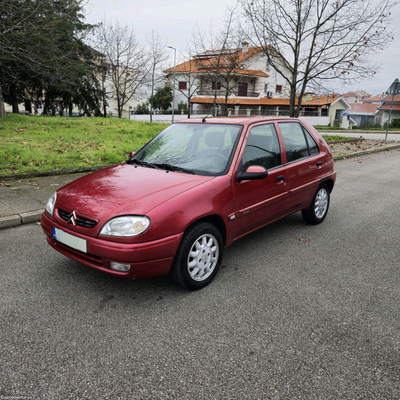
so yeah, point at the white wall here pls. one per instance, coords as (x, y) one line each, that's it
(322, 121)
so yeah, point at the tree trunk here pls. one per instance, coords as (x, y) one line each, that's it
(2, 109)
(292, 107)
(104, 105)
(119, 110)
(188, 109)
(14, 99)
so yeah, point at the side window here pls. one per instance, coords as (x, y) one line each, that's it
(294, 139)
(312, 145)
(262, 147)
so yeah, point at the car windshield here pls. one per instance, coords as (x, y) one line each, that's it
(203, 149)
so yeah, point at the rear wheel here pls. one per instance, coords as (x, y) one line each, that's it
(198, 257)
(318, 209)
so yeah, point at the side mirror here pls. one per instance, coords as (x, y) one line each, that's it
(132, 153)
(252, 173)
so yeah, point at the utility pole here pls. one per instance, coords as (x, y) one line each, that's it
(173, 89)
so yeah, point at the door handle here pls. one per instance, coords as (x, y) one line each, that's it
(319, 164)
(280, 178)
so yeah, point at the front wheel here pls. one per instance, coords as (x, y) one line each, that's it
(318, 209)
(198, 257)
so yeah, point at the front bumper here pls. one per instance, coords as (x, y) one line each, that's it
(147, 259)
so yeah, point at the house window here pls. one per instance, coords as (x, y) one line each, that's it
(266, 88)
(182, 85)
(278, 89)
(216, 85)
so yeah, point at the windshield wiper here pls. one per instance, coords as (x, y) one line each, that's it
(170, 167)
(141, 163)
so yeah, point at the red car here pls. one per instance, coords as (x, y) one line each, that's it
(196, 188)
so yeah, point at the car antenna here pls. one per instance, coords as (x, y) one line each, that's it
(204, 119)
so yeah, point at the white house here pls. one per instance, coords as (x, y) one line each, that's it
(240, 74)
(389, 102)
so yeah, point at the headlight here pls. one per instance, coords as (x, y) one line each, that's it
(125, 226)
(50, 204)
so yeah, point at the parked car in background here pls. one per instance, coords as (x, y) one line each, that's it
(193, 190)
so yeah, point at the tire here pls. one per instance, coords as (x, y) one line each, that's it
(319, 207)
(199, 256)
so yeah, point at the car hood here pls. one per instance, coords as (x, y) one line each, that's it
(123, 189)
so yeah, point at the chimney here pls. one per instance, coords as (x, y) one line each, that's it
(245, 47)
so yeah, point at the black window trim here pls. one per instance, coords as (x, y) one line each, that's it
(305, 138)
(249, 128)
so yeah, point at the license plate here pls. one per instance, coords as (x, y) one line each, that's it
(70, 240)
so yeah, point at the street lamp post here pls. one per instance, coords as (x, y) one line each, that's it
(173, 89)
(393, 90)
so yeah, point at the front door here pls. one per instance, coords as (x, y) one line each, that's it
(258, 202)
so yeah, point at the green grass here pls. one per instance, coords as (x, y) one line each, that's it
(337, 128)
(31, 144)
(331, 138)
(36, 144)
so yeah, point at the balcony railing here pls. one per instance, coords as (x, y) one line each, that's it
(221, 93)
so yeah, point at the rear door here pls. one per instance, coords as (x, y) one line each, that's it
(258, 202)
(303, 163)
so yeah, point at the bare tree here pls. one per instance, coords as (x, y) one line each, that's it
(219, 57)
(313, 42)
(124, 59)
(188, 73)
(157, 58)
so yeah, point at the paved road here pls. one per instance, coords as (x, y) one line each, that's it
(285, 318)
(355, 134)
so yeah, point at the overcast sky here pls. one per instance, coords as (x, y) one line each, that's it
(174, 21)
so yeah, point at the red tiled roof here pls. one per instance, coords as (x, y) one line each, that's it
(388, 99)
(359, 108)
(323, 100)
(208, 60)
(374, 99)
(396, 107)
(358, 93)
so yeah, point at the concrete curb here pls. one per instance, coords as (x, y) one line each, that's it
(364, 152)
(55, 172)
(20, 219)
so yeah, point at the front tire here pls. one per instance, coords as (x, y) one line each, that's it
(319, 207)
(199, 256)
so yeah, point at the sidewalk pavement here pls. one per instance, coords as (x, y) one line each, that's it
(22, 201)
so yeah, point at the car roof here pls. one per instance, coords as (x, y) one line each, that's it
(235, 120)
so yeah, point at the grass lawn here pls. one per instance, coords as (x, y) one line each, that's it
(331, 138)
(32, 144)
(39, 143)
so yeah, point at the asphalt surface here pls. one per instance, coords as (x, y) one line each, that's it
(296, 312)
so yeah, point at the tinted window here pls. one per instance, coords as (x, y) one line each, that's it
(311, 144)
(262, 147)
(294, 139)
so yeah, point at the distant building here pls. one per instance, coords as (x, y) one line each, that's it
(364, 114)
(386, 105)
(355, 97)
(242, 75)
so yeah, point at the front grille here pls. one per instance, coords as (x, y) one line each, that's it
(80, 221)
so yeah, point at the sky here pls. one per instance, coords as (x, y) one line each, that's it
(174, 21)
